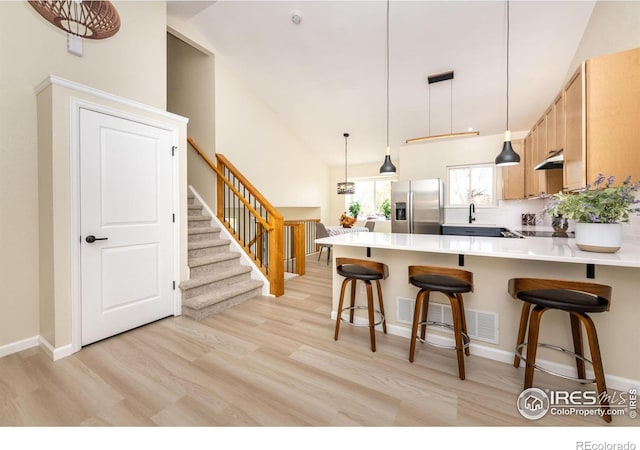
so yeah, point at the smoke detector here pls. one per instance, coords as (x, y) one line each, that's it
(296, 17)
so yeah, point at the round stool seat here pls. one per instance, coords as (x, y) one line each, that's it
(440, 283)
(359, 272)
(565, 299)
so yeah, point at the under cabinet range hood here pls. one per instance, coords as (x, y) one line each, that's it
(554, 161)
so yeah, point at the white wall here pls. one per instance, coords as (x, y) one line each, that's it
(131, 64)
(257, 141)
(190, 93)
(260, 145)
(613, 28)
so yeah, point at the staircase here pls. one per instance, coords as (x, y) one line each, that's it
(218, 280)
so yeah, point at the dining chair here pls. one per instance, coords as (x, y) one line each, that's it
(370, 225)
(321, 232)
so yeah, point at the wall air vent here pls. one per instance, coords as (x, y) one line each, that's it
(481, 325)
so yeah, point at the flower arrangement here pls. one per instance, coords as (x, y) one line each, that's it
(346, 221)
(600, 203)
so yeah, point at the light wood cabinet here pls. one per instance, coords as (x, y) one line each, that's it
(613, 116)
(574, 150)
(602, 107)
(530, 175)
(513, 176)
(595, 121)
(559, 123)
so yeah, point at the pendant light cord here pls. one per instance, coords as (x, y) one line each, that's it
(346, 135)
(387, 69)
(507, 65)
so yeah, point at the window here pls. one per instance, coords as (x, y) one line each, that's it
(371, 193)
(471, 184)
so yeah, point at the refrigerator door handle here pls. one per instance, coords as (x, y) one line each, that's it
(410, 211)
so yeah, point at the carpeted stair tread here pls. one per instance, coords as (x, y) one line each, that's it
(210, 243)
(201, 230)
(214, 277)
(222, 294)
(204, 260)
(199, 217)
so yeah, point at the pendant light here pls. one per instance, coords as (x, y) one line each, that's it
(387, 167)
(346, 187)
(87, 19)
(431, 79)
(507, 157)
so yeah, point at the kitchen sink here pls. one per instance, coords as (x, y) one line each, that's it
(476, 230)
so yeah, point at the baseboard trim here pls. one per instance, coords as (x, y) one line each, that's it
(613, 381)
(55, 353)
(18, 346)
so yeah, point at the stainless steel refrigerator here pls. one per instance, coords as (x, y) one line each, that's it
(417, 206)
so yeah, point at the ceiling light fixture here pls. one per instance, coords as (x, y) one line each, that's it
(87, 19)
(346, 187)
(387, 166)
(436, 79)
(507, 157)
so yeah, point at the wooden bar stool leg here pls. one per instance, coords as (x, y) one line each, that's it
(522, 330)
(381, 303)
(372, 320)
(457, 332)
(576, 331)
(425, 310)
(467, 351)
(353, 300)
(532, 344)
(594, 349)
(340, 304)
(414, 326)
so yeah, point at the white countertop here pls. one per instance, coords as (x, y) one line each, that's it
(532, 248)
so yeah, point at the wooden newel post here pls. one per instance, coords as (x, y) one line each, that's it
(276, 255)
(298, 245)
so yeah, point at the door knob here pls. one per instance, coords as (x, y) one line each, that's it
(91, 239)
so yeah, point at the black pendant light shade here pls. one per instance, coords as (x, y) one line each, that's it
(507, 157)
(346, 187)
(387, 167)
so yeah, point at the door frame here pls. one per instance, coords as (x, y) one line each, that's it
(76, 104)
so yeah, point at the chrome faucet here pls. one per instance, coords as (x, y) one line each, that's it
(472, 212)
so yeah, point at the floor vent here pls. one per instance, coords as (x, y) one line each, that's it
(481, 325)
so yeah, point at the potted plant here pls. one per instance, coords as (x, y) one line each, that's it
(385, 209)
(598, 211)
(354, 209)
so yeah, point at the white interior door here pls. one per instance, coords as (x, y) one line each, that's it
(126, 204)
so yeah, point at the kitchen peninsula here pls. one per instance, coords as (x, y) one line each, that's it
(493, 262)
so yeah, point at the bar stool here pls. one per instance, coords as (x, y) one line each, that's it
(367, 271)
(575, 297)
(452, 283)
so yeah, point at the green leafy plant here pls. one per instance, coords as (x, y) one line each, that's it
(385, 208)
(354, 209)
(600, 203)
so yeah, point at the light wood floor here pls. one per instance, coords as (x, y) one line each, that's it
(266, 362)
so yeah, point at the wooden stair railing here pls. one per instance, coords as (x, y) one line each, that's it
(248, 216)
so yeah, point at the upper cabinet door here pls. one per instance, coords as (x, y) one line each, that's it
(574, 151)
(613, 114)
(513, 176)
(558, 115)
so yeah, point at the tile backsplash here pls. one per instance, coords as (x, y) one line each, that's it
(509, 213)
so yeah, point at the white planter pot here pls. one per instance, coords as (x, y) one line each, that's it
(599, 237)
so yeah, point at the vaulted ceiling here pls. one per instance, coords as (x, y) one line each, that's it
(327, 74)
